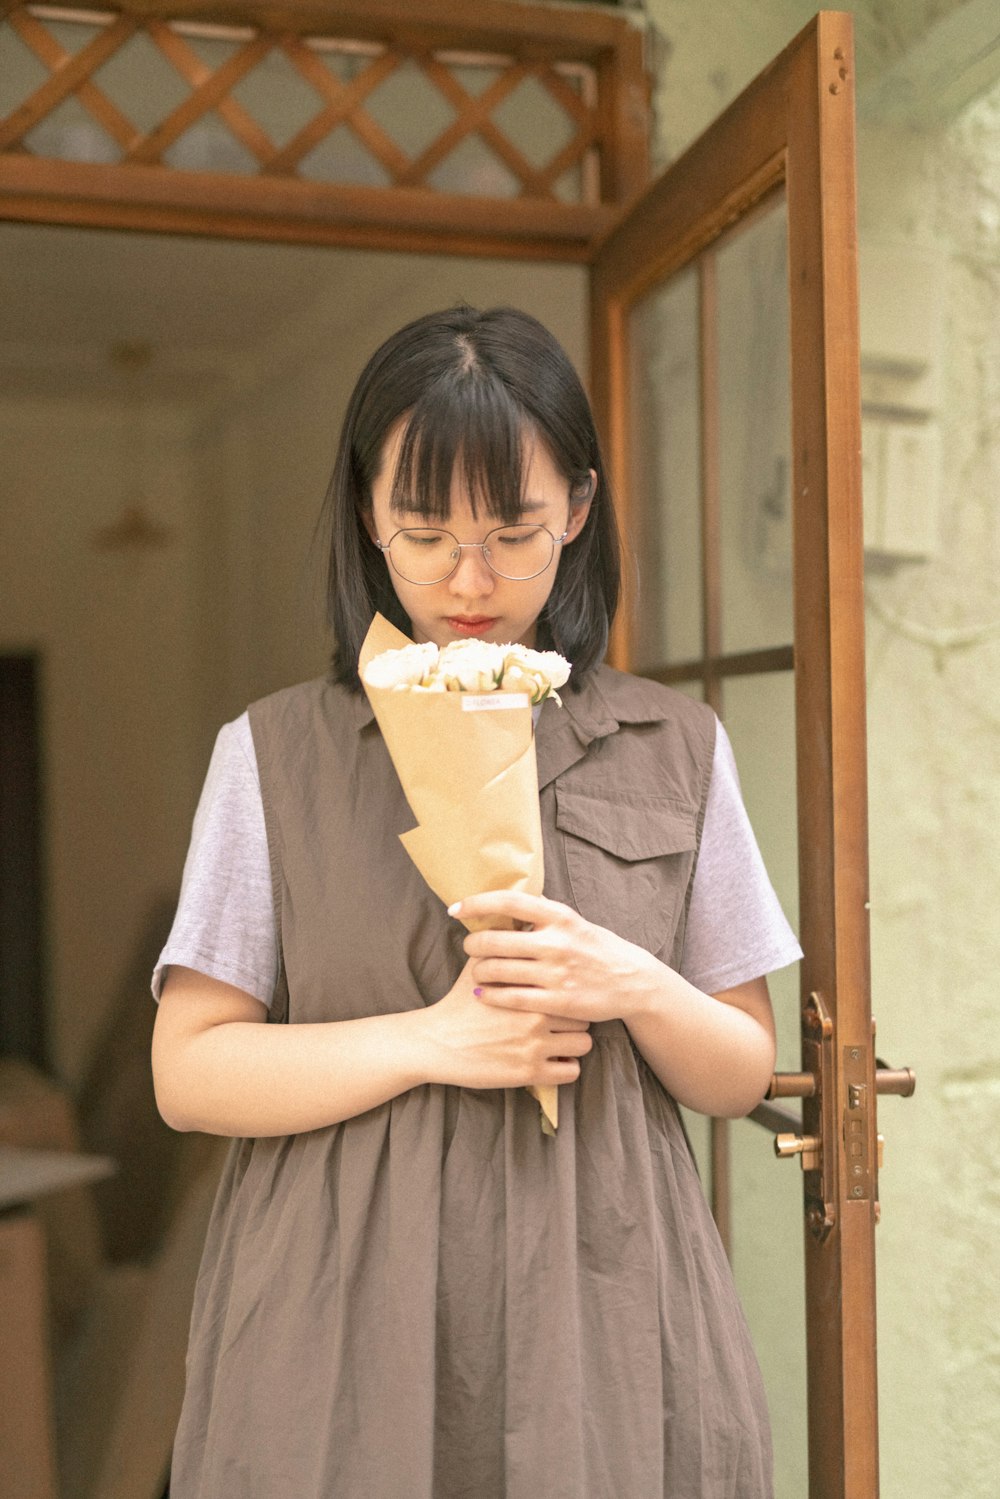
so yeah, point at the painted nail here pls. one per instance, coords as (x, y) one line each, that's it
(453, 910)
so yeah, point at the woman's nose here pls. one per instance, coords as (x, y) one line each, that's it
(473, 577)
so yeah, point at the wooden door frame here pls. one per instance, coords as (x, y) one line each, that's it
(793, 129)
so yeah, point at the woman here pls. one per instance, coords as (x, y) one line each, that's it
(408, 1292)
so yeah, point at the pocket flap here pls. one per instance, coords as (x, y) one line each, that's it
(640, 831)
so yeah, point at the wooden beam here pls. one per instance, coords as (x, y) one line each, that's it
(294, 211)
(491, 24)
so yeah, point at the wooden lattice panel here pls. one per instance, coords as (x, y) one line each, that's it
(293, 115)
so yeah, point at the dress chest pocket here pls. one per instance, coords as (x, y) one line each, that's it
(628, 862)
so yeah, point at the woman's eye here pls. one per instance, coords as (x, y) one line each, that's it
(514, 538)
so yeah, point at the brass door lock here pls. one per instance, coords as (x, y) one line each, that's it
(806, 1147)
(845, 1117)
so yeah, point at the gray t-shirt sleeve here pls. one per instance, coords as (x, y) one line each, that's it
(224, 926)
(736, 929)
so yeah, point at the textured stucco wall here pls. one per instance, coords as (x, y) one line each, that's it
(934, 736)
(933, 631)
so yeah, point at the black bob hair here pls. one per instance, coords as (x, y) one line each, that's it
(475, 388)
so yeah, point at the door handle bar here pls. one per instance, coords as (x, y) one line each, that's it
(898, 1082)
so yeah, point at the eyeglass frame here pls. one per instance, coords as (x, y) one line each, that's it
(384, 548)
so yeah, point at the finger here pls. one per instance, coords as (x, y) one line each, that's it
(556, 1072)
(546, 1002)
(574, 1044)
(561, 1024)
(501, 944)
(515, 997)
(511, 905)
(530, 975)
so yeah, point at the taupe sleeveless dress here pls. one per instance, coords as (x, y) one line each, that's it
(434, 1300)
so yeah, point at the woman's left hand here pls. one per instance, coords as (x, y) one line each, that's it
(560, 965)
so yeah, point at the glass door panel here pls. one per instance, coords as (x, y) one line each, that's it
(754, 452)
(665, 472)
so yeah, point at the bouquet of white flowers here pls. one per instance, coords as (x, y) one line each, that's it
(458, 726)
(475, 666)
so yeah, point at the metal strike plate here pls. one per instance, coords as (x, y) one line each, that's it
(857, 1126)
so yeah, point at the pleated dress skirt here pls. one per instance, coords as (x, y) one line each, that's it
(434, 1300)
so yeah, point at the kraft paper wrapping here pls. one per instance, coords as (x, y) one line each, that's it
(472, 784)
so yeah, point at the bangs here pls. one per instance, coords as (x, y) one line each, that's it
(468, 422)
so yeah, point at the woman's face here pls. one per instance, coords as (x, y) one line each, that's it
(474, 601)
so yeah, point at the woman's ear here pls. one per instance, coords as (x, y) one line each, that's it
(368, 521)
(580, 508)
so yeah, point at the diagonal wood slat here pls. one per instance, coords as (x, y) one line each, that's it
(567, 98)
(573, 152)
(65, 81)
(472, 117)
(532, 181)
(379, 143)
(196, 73)
(201, 100)
(343, 100)
(476, 111)
(48, 51)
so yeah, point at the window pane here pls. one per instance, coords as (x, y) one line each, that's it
(755, 435)
(665, 503)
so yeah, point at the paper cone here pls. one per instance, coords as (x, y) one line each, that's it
(467, 767)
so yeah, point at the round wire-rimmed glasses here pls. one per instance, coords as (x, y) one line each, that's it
(425, 555)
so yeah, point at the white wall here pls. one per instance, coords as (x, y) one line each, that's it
(115, 633)
(934, 749)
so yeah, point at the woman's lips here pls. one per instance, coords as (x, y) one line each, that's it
(474, 625)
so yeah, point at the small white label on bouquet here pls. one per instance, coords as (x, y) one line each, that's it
(488, 702)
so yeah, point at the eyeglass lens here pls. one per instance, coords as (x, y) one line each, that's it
(429, 556)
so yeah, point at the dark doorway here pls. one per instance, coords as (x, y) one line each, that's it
(22, 961)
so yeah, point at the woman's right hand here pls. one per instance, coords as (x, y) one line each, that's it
(476, 1045)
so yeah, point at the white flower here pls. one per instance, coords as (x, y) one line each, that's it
(537, 673)
(471, 665)
(410, 666)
